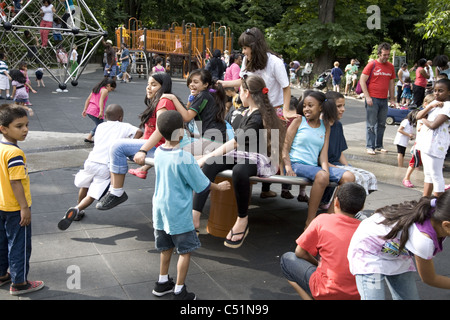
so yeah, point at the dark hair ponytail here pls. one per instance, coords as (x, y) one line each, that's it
(218, 92)
(255, 85)
(165, 81)
(215, 89)
(104, 83)
(402, 216)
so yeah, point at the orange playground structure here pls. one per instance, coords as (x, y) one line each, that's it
(183, 48)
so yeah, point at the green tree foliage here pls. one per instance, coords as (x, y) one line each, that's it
(320, 30)
(436, 23)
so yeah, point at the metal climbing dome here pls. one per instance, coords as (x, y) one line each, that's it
(22, 33)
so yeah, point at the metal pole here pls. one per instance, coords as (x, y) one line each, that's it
(84, 59)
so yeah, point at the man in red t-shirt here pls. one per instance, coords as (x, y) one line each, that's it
(328, 236)
(382, 82)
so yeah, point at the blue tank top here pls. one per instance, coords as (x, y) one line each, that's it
(308, 143)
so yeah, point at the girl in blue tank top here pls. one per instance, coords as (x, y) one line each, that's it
(305, 152)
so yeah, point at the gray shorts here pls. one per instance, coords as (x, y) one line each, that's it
(183, 242)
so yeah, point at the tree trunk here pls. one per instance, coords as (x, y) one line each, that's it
(326, 15)
(131, 7)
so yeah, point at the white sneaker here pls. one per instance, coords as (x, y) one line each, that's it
(59, 90)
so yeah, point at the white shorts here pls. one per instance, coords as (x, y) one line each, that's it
(4, 82)
(350, 78)
(95, 176)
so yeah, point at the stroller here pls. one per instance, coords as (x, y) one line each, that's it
(322, 80)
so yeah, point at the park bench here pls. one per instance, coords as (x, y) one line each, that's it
(223, 207)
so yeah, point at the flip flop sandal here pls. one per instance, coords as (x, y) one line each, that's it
(236, 244)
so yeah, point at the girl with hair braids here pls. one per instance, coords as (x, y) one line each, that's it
(383, 247)
(159, 83)
(246, 155)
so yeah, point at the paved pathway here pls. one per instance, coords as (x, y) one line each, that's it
(113, 251)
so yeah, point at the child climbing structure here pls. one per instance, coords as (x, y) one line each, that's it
(183, 48)
(23, 36)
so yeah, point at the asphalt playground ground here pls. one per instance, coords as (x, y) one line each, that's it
(110, 255)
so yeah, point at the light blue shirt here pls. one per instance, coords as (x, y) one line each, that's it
(177, 175)
(308, 143)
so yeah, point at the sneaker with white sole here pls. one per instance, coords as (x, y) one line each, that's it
(110, 201)
(164, 288)
(30, 286)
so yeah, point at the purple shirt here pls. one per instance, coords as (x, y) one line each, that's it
(428, 229)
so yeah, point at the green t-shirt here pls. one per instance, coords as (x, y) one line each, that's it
(351, 69)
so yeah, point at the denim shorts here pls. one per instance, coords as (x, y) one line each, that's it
(183, 242)
(124, 66)
(111, 73)
(309, 172)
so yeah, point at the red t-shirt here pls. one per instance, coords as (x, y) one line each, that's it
(150, 126)
(329, 236)
(379, 81)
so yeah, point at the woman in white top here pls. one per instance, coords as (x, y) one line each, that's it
(402, 74)
(258, 60)
(47, 11)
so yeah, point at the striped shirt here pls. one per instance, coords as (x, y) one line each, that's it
(3, 67)
(12, 167)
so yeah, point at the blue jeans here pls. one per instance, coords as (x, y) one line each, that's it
(97, 121)
(124, 149)
(402, 286)
(376, 123)
(297, 270)
(15, 246)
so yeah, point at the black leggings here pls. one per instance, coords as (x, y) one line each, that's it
(419, 95)
(241, 182)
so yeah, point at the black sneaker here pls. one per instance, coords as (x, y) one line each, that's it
(184, 295)
(164, 288)
(79, 216)
(110, 201)
(68, 218)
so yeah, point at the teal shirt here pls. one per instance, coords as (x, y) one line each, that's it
(308, 143)
(177, 175)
